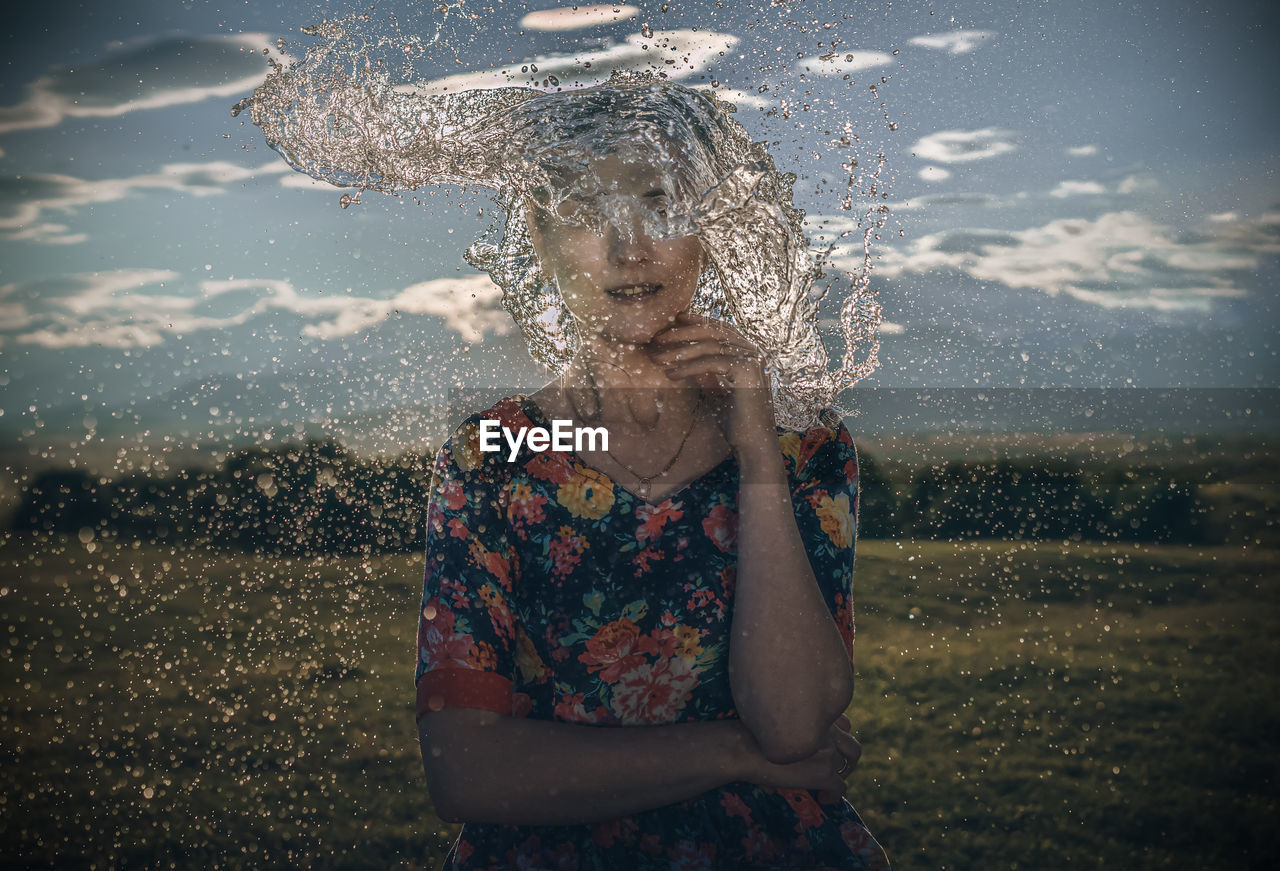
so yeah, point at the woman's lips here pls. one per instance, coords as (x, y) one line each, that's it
(633, 292)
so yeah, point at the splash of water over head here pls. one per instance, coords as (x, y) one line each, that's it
(345, 122)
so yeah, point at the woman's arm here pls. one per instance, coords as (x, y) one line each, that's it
(486, 767)
(789, 670)
(788, 667)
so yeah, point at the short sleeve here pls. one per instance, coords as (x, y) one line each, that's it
(824, 494)
(466, 628)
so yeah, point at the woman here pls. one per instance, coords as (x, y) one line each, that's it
(569, 593)
(632, 654)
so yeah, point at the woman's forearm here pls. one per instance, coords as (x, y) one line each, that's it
(789, 671)
(518, 771)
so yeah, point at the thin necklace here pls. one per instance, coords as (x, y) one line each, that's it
(595, 387)
(646, 481)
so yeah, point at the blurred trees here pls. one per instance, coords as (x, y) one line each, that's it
(317, 497)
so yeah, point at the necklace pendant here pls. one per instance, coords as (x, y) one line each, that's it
(644, 489)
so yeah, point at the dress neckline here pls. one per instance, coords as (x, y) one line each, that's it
(535, 413)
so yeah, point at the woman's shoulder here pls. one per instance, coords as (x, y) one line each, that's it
(466, 444)
(828, 442)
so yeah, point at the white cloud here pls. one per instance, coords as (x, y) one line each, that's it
(740, 99)
(66, 193)
(1076, 188)
(577, 17)
(836, 63)
(304, 182)
(688, 50)
(961, 146)
(1082, 150)
(934, 173)
(47, 234)
(150, 75)
(470, 306)
(1224, 217)
(1119, 260)
(129, 308)
(1137, 184)
(954, 42)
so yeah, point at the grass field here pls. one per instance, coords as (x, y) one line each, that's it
(1021, 706)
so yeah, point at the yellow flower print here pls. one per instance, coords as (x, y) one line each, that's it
(790, 444)
(687, 642)
(466, 447)
(587, 494)
(836, 520)
(488, 595)
(531, 666)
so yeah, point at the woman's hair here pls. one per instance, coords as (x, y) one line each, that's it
(359, 129)
(726, 189)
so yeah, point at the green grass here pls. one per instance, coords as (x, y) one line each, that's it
(1021, 706)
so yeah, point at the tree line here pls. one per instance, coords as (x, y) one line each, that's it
(319, 498)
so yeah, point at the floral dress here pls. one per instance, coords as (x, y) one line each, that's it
(553, 593)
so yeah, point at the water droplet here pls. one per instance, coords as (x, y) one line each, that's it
(646, 31)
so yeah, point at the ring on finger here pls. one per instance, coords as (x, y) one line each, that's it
(844, 766)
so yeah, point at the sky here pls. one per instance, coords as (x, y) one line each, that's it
(1080, 195)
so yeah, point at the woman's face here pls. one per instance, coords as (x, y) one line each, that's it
(623, 286)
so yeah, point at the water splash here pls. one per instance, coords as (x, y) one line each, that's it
(340, 115)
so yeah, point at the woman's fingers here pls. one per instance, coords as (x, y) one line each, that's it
(849, 748)
(707, 366)
(696, 330)
(694, 346)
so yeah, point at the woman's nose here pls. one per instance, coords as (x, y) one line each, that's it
(628, 245)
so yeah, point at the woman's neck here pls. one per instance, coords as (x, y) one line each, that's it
(617, 365)
(622, 384)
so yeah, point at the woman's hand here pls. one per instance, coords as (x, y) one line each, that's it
(819, 772)
(728, 368)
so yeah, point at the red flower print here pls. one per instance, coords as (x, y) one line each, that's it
(721, 526)
(521, 704)
(668, 619)
(438, 644)
(854, 835)
(610, 650)
(734, 806)
(844, 622)
(654, 694)
(458, 529)
(813, 439)
(550, 466)
(642, 559)
(700, 598)
(526, 507)
(653, 517)
(807, 809)
(660, 642)
(452, 494)
(464, 851)
(565, 551)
